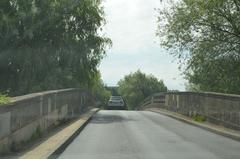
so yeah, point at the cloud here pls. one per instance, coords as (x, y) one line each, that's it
(131, 24)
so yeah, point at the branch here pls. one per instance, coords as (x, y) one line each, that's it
(237, 5)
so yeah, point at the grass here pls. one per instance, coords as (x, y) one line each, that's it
(37, 134)
(22, 145)
(4, 99)
(199, 118)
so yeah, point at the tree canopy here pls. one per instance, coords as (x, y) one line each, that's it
(136, 86)
(100, 91)
(48, 44)
(205, 36)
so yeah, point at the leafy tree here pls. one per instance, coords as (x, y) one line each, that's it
(192, 87)
(48, 44)
(205, 36)
(100, 91)
(135, 87)
(113, 90)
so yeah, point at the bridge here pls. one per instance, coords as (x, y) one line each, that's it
(175, 125)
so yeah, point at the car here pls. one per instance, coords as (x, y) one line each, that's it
(116, 103)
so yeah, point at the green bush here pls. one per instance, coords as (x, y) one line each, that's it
(137, 86)
(4, 99)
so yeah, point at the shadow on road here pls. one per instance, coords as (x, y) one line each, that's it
(109, 118)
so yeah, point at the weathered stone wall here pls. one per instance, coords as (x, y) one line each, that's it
(156, 100)
(215, 107)
(35, 113)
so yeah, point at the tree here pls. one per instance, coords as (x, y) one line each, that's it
(135, 87)
(100, 91)
(113, 90)
(49, 44)
(205, 36)
(192, 87)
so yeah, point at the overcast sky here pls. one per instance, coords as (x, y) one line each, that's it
(131, 25)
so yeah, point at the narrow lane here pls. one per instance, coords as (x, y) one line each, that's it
(147, 135)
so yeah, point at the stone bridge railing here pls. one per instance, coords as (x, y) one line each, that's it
(223, 109)
(26, 117)
(156, 100)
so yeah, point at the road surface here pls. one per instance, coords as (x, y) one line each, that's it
(147, 135)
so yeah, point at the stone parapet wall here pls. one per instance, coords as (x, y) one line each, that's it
(218, 108)
(27, 116)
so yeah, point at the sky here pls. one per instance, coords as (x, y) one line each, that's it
(131, 25)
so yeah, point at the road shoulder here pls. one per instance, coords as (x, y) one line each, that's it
(218, 129)
(55, 144)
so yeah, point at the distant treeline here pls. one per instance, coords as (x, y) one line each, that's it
(113, 90)
(137, 86)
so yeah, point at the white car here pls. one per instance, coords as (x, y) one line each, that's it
(116, 102)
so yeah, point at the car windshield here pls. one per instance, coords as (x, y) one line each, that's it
(116, 98)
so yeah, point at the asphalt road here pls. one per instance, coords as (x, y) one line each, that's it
(147, 135)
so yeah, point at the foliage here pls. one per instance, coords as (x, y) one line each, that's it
(173, 90)
(135, 87)
(205, 36)
(4, 99)
(100, 91)
(48, 44)
(113, 90)
(36, 134)
(199, 118)
(192, 87)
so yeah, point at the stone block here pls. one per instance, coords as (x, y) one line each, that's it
(5, 127)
